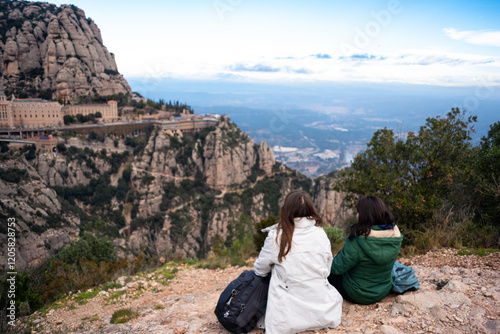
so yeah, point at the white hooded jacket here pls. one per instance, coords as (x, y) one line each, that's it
(300, 297)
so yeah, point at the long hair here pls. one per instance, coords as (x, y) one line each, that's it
(372, 211)
(298, 203)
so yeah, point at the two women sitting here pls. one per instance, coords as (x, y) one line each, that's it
(307, 284)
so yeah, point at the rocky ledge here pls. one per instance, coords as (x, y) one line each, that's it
(458, 294)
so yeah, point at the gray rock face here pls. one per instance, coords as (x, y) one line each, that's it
(179, 217)
(56, 49)
(32, 203)
(225, 158)
(229, 161)
(60, 172)
(329, 202)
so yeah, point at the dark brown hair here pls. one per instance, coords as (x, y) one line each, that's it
(298, 203)
(372, 211)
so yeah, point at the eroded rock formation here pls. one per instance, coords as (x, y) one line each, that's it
(54, 52)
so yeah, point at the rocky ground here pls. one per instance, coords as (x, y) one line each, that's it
(458, 294)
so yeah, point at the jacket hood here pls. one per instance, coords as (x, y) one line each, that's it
(382, 246)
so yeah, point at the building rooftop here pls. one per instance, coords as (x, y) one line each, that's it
(33, 100)
(87, 105)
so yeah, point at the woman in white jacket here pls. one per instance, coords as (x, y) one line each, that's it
(297, 253)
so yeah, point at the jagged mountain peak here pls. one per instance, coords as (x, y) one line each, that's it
(54, 52)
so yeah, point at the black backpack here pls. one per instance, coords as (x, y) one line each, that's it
(243, 302)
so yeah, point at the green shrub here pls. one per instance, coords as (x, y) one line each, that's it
(259, 237)
(4, 147)
(123, 315)
(127, 172)
(420, 178)
(488, 175)
(69, 119)
(336, 237)
(147, 179)
(61, 148)
(88, 247)
(13, 175)
(31, 153)
(236, 255)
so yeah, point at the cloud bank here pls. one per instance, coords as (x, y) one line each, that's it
(478, 37)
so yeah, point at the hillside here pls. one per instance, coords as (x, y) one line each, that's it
(167, 193)
(54, 52)
(459, 294)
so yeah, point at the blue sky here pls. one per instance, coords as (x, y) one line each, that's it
(446, 43)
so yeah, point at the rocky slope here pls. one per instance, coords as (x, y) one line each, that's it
(328, 201)
(169, 193)
(458, 294)
(56, 51)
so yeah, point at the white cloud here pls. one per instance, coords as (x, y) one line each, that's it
(430, 66)
(479, 37)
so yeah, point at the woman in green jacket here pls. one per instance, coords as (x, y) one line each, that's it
(361, 271)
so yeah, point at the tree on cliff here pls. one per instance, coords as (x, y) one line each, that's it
(426, 179)
(488, 167)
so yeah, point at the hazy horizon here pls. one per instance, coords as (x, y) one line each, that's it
(323, 126)
(403, 104)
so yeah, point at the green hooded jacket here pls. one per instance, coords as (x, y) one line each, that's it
(365, 264)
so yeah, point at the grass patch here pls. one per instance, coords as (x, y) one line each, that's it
(72, 307)
(108, 286)
(122, 316)
(117, 294)
(479, 251)
(167, 273)
(81, 298)
(58, 305)
(214, 263)
(159, 307)
(92, 319)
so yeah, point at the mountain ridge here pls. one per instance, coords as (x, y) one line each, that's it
(55, 53)
(168, 193)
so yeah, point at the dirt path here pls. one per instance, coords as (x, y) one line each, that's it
(167, 176)
(459, 294)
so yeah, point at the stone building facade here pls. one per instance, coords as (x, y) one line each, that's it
(31, 113)
(109, 111)
(35, 113)
(5, 114)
